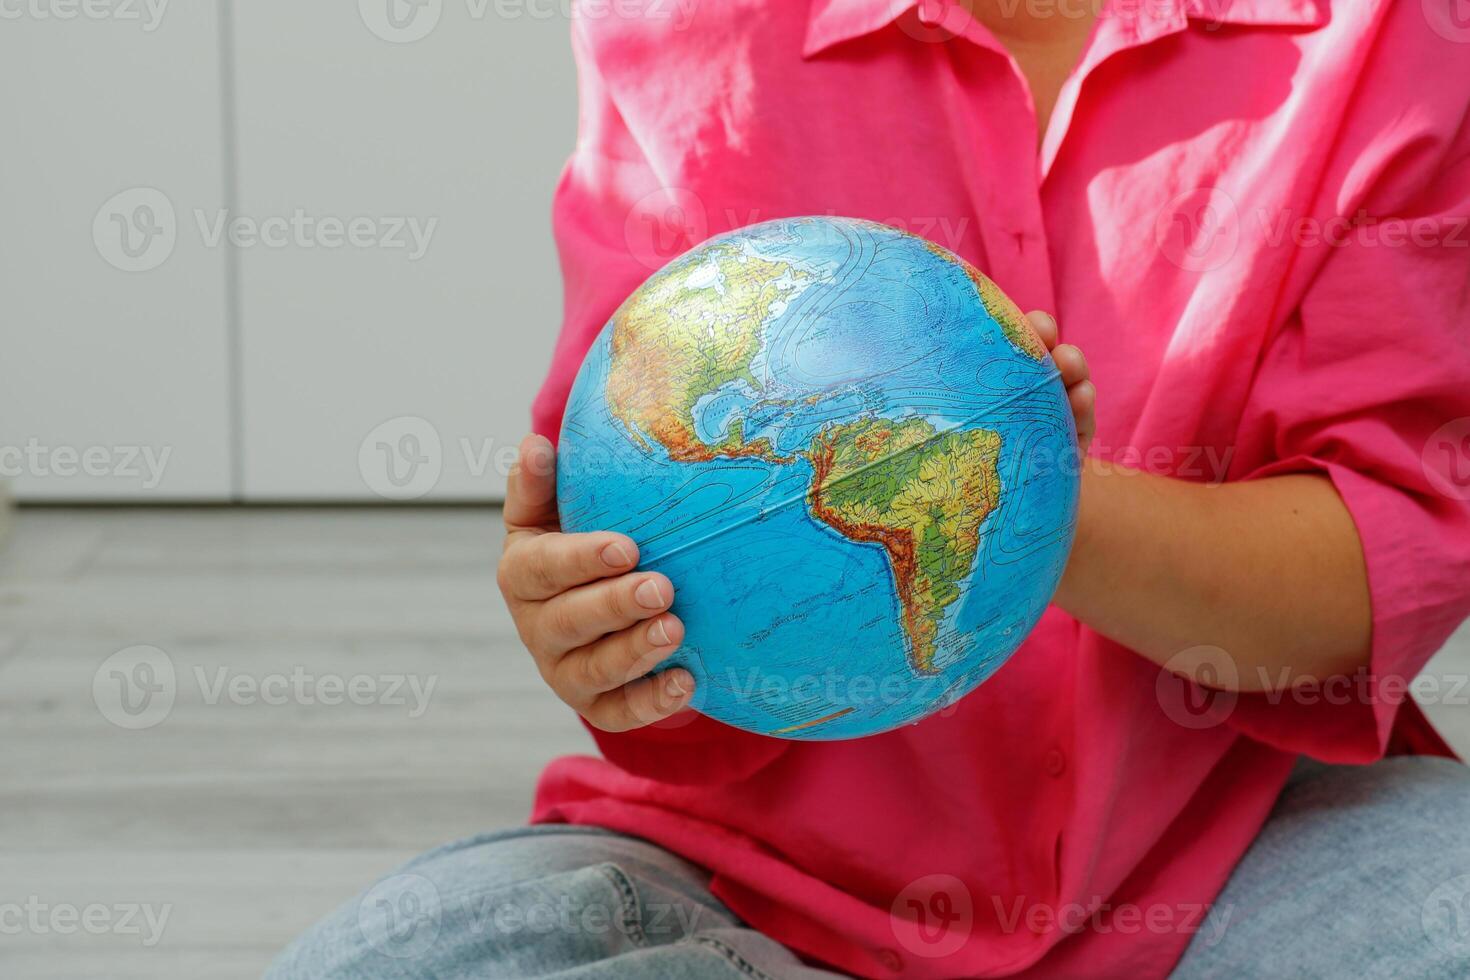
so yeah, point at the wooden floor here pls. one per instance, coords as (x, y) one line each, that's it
(248, 821)
(245, 821)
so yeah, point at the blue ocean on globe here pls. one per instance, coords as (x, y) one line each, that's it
(851, 455)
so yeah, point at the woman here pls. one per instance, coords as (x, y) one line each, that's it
(1251, 215)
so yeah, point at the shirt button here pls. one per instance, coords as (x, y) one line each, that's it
(890, 960)
(1055, 762)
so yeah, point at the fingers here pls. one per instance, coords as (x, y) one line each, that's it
(1071, 364)
(1081, 392)
(642, 702)
(592, 624)
(579, 616)
(1083, 399)
(1046, 325)
(1068, 357)
(615, 660)
(540, 566)
(530, 493)
(1076, 377)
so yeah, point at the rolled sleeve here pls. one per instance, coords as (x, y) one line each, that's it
(1417, 584)
(1369, 383)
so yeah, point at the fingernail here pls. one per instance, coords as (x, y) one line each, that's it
(657, 635)
(616, 556)
(649, 595)
(678, 682)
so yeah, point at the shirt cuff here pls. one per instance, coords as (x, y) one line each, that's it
(1350, 720)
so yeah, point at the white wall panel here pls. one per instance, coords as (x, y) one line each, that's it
(444, 118)
(113, 339)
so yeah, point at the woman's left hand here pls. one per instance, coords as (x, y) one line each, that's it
(1081, 392)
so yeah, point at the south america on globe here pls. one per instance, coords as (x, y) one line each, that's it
(852, 456)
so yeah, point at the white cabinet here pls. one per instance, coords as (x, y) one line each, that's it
(113, 340)
(396, 327)
(275, 250)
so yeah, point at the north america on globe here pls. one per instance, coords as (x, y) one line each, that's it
(814, 421)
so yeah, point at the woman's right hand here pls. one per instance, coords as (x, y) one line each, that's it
(594, 624)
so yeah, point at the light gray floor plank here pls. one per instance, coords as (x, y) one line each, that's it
(251, 819)
(171, 913)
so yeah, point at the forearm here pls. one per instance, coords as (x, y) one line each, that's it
(1270, 570)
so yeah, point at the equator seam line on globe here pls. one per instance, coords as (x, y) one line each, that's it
(836, 481)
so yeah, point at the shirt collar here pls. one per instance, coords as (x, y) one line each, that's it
(832, 22)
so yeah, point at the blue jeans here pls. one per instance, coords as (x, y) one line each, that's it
(1360, 872)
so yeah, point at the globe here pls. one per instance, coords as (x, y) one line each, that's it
(849, 452)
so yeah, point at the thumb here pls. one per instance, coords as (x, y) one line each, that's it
(530, 494)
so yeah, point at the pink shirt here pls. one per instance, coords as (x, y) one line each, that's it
(1251, 216)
